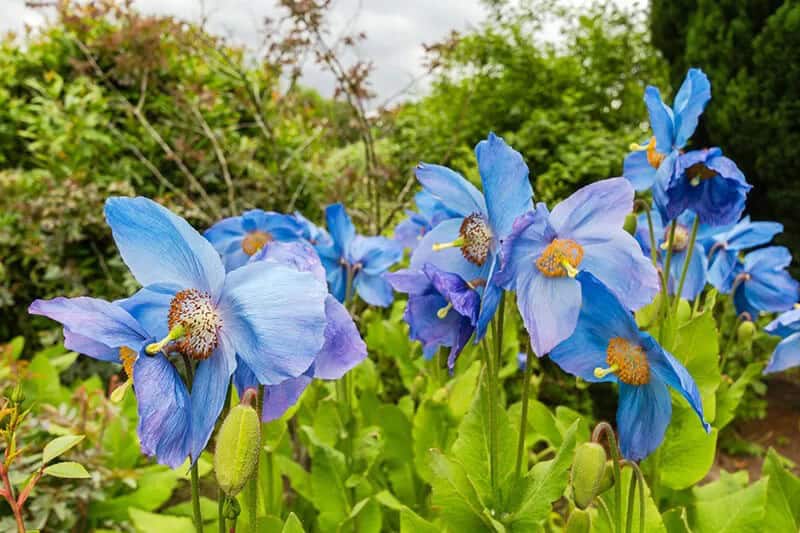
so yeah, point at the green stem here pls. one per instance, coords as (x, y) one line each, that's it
(605, 427)
(195, 473)
(653, 245)
(270, 496)
(523, 421)
(489, 373)
(665, 282)
(631, 497)
(729, 343)
(685, 269)
(221, 510)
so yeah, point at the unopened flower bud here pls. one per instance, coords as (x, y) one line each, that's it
(745, 331)
(579, 522)
(587, 473)
(231, 509)
(630, 224)
(238, 446)
(17, 396)
(608, 478)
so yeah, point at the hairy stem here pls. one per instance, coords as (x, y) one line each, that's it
(523, 421)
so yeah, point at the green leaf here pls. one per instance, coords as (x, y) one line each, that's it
(461, 389)
(433, 428)
(299, 478)
(59, 445)
(687, 452)
(328, 475)
(154, 488)
(208, 508)
(652, 519)
(14, 348)
(697, 348)
(146, 522)
(455, 494)
(410, 522)
(531, 503)
(675, 520)
(783, 496)
(293, 525)
(729, 396)
(738, 512)
(67, 469)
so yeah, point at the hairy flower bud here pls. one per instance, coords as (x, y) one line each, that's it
(630, 223)
(745, 332)
(587, 473)
(579, 522)
(238, 445)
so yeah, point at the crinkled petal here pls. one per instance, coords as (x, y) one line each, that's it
(455, 192)
(785, 324)
(530, 235)
(340, 226)
(455, 290)
(279, 398)
(771, 291)
(660, 120)
(97, 350)
(549, 309)
(695, 280)
(593, 211)
(160, 247)
(506, 186)
(337, 282)
(274, 317)
(691, 100)
(295, 254)
(373, 289)
(752, 234)
(767, 259)
(343, 348)
(150, 307)
(243, 377)
(638, 170)
(643, 415)
(225, 234)
(723, 270)
(490, 297)
(375, 254)
(409, 281)
(786, 354)
(209, 389)
(164, 410)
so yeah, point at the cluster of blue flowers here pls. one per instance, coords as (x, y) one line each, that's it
(247, 303)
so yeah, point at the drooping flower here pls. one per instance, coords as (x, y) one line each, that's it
(270, 316)
(672, 129)
(761, 282)
(697, 272)
(727, 245)
(342, 350)
(584, 232)
(787, 352)
(364, 260)
(607, 346)
(709, 184)
(431, 211)
(442, 309)
(469, 245)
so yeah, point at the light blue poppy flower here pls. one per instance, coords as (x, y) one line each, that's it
(469, 246)
(546, 250)
(787, 352)
(761, 282)
(697, 273)
(607, 346)
(727, 245)
(672, 129)
(366, 259)
(270, 316)
(431, 211)
(314, 234)
(342, 350)
(238, 238)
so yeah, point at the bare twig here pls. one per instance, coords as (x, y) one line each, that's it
(223, 163)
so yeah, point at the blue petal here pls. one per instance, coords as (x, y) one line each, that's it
(593, 211)
(340, 226)
(638, 170)
(375, 254)
(410, 231)
(785, 324)
(279, 398)
(298, 255)
(226, 233)
(549, 309)
(660, 120)
(751, 234)
(337, 282)
(455, 290)
(243, 377)
(642, 418)
(769, 259)
(490, 298)
(673, 373)
(411, 282)
(448, 260)
(695, 280)
(771, 291)
(530, 235)
(506, 186)
(723, 270)
(786, 354)
(150, 307)
(455, 192)
(691, 100)
(373, 289)
(160, 247)
(343, 348)
(209, 389)
(164, 410)
(99, 321)
(426, 327)
(274, 317)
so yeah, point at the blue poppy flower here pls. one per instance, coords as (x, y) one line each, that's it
(787, 352)
(607, 346)
(366, 259)
(672, 128)
(761, 282)
(584, 232)
(724, 252)
(469, 245)
(238, 238)
(709, 184)
(270, 316)
(442, 309)
(342, 350)
(314, 234)
(697, 273)
(431, 211)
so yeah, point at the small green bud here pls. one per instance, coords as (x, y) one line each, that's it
(17, 396)
(745, 332)
(231, 509)
(579, 522)
(608, 478)
(630, 223)
(238, 445)
(587, 473)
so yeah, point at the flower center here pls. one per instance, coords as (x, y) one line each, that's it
(560, 258)
(654, 157)
(698, 173)
(195, 313)
(681, 240)
(128, 357)
(254, 241)
(474, 239)
(628, 361)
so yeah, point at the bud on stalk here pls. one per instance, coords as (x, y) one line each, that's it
(238, 446)
(587, 473)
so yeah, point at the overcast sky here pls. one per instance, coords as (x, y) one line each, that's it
(396, 29)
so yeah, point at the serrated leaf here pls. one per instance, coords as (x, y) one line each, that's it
(783, 496)
(67, 469)
(60, 445)
(455, 494)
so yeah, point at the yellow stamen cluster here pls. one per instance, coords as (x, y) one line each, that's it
(654, 157)
(698, 173)
(628, 361)
(560, 258)
(128, 358)
(254, 241)
(680, 241)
